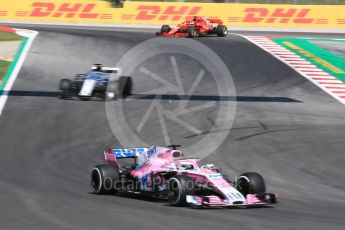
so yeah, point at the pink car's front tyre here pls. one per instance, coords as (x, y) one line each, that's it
(179, 188)
(251, 183)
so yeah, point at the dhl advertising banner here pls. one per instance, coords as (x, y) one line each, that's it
(253, 15)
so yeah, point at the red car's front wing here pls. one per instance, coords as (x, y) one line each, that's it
(167, 34)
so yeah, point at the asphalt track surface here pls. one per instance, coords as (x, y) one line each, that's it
(48, 146)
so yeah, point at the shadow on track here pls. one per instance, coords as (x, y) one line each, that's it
(166, 97)
(211, 98)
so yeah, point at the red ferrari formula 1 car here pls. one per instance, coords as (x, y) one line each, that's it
(195, 26)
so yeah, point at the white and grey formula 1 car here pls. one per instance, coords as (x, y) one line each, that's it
(96, 83)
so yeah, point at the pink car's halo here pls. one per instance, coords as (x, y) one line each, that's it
(163, 173)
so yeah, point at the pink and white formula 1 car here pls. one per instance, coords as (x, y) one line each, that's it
(162, 173)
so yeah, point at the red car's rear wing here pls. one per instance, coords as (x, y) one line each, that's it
(215, 20)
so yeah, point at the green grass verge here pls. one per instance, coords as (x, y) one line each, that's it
(6, 36)
(4, 65)
(13, 63)
(3, 68)
(327, 56)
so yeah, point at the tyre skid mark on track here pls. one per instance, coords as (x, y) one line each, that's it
(323, 80)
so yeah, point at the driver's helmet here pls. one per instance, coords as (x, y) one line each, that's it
(186, 166)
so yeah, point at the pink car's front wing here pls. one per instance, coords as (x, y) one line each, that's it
(215, 201)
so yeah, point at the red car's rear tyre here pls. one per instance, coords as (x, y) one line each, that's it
(222, 31)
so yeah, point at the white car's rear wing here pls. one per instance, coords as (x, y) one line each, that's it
(107, 69)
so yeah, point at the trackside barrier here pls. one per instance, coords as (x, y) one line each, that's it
(251, 15)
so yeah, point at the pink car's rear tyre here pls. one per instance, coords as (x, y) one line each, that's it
(104, 179)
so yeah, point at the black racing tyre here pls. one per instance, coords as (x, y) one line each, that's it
(178, 188)
(165, 28)
(191, 32)
(222, 31)
(104, 179)
(65, 86)
(125, 86)
(251, 183)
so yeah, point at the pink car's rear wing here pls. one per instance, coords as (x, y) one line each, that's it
(111, 154)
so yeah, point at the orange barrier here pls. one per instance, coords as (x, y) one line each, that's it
(257, 15)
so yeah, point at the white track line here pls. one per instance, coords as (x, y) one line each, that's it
(31, 36)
